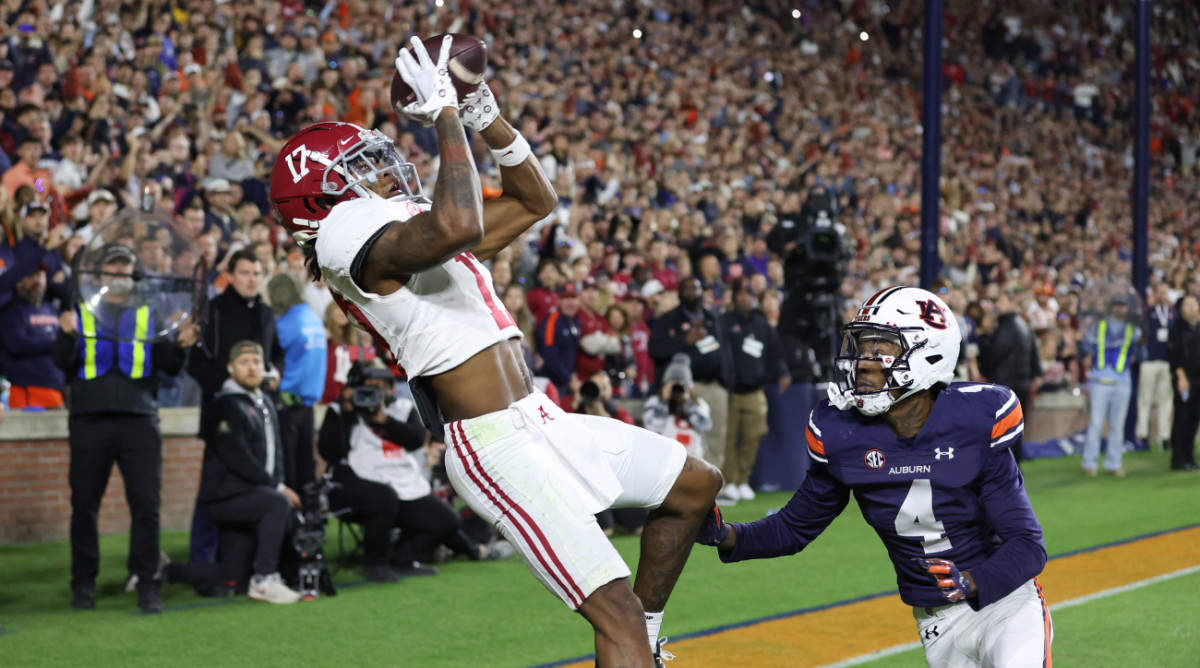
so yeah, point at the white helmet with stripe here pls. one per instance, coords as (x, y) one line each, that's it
(927, 334)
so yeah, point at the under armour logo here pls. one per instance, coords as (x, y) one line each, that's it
(938, 454)
(544, 414)
(931, 633)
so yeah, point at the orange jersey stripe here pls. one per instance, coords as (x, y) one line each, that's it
(551, 321)
(1011, 420)
(1049, 626)
(816, 445)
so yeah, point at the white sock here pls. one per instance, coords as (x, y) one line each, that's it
(653, 624)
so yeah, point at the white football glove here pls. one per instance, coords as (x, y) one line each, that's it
(430, 81)
(480, 108)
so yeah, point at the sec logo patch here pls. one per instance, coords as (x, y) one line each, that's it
(874, 459)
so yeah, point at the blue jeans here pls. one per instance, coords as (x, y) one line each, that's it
(1107, 401)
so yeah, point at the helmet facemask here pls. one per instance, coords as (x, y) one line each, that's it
(365, 164)
(873, 344)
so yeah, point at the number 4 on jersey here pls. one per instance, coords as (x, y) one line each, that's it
(916, 520)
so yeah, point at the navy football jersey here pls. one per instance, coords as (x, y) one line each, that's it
(954, 492)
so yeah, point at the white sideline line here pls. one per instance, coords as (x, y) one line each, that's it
(896, 649)
(1124, 588)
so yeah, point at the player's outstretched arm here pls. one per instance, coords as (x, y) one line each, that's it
(455, 221)
(811, 509)
(452, 225)
(528, 196)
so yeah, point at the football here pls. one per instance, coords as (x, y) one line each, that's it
(468, 62)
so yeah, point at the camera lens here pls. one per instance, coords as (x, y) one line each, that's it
(589, 392)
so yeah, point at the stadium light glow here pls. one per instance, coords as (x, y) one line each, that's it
(439, 3)
(864, 36)
(795, 13)
(637, 34)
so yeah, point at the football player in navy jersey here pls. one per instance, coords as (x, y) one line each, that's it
(929, 464)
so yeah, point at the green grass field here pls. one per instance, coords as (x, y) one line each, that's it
(495, 614)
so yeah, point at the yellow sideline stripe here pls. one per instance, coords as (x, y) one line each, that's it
(828, 636)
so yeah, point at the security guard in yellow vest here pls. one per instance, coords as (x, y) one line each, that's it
(1111, 349)
(104, 349)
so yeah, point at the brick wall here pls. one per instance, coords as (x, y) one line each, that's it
(35, 499)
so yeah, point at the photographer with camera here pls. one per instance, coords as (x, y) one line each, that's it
(241, 483)
(368, 439)
(676, 412)
(594, 397)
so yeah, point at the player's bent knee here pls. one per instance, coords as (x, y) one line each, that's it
(695, 488)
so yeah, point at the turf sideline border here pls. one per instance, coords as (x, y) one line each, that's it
(898, 648)
(1088, 598)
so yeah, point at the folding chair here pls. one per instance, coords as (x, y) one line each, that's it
(348, 523)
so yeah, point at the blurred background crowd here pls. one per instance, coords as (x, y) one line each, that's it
(678, 140)
(689, 145)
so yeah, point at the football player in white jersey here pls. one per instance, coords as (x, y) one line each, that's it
(410, 270)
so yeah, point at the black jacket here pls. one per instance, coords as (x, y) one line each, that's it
(235, 458)
(1183, 349)
(1009, 356)
(668, 336)
(231, 319)
(758, 362)
(114, 392)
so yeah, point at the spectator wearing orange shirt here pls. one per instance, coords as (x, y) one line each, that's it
(27, 172)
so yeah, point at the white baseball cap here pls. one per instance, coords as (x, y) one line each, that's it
(651, 288)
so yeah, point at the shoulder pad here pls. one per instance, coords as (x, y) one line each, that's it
(822, 414)
(1004, 412)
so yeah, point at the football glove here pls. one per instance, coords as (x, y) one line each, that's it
(955, 586)
(713, 529)
(480, 108)
(430, 81)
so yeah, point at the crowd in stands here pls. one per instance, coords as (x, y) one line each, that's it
(677, 135)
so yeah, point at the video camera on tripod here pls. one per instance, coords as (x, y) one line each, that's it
(814, 266)
(308, 538)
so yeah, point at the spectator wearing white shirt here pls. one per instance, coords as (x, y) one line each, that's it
(675, 412)
(101, 205)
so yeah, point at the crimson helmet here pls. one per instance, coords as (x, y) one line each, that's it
(328, 163)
